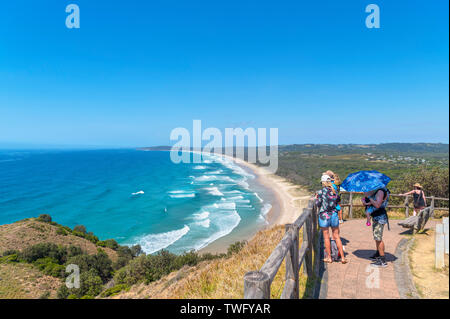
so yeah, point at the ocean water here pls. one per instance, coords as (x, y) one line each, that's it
(133, 196)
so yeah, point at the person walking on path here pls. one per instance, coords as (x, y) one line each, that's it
(327, 199)
(420, 201)
(379, 200)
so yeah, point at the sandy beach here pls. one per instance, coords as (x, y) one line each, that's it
(287, 205)
(291, 198)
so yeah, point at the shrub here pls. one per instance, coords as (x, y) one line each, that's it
(61, 231)
(100, 263)
(191, 259)
(80, 229)
(114, 290)
(110, 243)
(74, 251)
(10, 252)
(90, 284)
(148, 268)
(125, 254)
(91, 237)
(43, 250)
(12, 258)
(236, 247)
(136, 250)
(45, 295)
(63, 292)
(50, 266)
(44, 218)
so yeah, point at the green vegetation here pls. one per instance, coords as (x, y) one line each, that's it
(405, 163)
(110, 243)
(97, 270)
(44, 218)
(149, 268)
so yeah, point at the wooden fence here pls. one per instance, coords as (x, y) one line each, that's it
(257, 283)
(405, 205)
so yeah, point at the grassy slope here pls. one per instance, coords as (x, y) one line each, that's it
(24, 281)
(29, 232)
(20, 280)
(222, 278)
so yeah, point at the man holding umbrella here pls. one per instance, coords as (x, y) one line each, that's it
(374, 185)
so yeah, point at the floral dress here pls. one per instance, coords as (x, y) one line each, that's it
(327, 201)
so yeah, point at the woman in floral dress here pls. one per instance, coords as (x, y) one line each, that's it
(327, 200)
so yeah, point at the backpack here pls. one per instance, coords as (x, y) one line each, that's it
(386, 195)
(335, 255)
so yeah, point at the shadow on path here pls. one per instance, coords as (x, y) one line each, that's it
(366, 253)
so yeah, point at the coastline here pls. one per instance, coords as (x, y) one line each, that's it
(288, 203)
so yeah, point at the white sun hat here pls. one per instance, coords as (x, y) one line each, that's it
(325, 178)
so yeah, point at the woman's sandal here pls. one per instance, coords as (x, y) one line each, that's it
(327, 260)
(344, 260)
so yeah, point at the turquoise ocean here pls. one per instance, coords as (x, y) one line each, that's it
(134, 196)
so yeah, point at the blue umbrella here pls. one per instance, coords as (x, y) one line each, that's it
(365, 181)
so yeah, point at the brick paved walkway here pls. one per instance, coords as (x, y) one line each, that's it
(354, 279)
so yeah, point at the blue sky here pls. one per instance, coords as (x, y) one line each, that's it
(137, 69)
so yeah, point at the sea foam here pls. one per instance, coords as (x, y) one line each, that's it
(154, 242)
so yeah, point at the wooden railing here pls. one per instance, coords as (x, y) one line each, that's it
(405, 205)
(257, 283)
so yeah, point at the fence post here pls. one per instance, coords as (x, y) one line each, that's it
(407, 206)
(432, 206)
(439, 249)
(350, 207)
(256, 285)
(307, 237)
(292, 271)
(445, 222)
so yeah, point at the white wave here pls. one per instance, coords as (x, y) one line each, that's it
(266, 209)
(200, 167)
(204, 223)
(260, 199)
(235, 197)
(188, 195)
(206, 178)
(243, 183)
(233, 192)
(228, 205)
(181, 194)
(225, 224)
(137, 193)
(246, 201)
(217, 172)
(200, 216)
(154, 242)
(214, 191)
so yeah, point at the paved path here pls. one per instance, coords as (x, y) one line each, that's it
(357, 279)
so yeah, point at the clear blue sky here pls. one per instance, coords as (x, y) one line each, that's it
(137, 69)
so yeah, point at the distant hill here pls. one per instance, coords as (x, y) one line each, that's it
(427, 149)
(419, 149)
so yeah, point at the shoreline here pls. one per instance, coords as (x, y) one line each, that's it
(288, 203)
